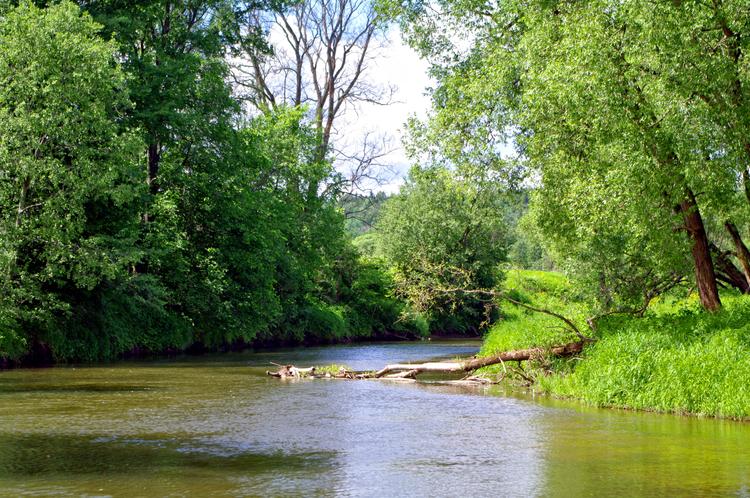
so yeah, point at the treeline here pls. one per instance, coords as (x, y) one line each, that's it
(628, 120)
(141, 212)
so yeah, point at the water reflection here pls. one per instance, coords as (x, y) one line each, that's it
(416, 440)
(596, 452)
(39, 462)
(217, 426)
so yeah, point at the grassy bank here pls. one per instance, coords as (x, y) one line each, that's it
(677, 358)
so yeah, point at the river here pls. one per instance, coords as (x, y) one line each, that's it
(217, 426)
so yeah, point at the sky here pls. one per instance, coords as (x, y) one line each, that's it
(393, 65)
(400, 66)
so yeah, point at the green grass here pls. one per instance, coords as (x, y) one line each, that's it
(677, 358)
(519, 328)
(332, 369)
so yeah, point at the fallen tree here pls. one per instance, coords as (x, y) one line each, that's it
(411, 370)
(476, 363)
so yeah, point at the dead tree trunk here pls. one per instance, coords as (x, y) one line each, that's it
(477, 363)
(411, 370)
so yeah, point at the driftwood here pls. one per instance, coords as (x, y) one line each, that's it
(286, 371)
(477, 363)
(409, 371)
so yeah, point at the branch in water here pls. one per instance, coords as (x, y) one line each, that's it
(411, 370)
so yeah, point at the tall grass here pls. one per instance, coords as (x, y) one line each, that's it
(520, 328)
(677, 358)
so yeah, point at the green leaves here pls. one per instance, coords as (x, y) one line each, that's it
(618, 111)
(64, 159)
(443, 233)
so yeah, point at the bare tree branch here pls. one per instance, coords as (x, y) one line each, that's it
(321, 57)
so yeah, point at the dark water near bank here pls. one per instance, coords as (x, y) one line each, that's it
(217, 426)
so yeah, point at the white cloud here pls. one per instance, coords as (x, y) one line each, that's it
(400, 66)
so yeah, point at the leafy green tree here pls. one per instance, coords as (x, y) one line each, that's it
(69, 173)
(309, 229)
(709, 39)
(444, 231)
(173, 53)
(614, 109)
(208, 235)
(142, 214)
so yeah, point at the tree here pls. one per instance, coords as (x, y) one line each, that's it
(207, 236)
(444, 230)
(708, 38)
(605, 114)
(168, 221)
(69, 171)
(362, 211)
(323, 62)
(173, 52)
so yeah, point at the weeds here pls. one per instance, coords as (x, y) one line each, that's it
(677, 358)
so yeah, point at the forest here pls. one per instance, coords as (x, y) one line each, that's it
(627, 124)
(146, 210)
(172, 180)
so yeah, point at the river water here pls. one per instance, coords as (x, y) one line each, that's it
(217, 426)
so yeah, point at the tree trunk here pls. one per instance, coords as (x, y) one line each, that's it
(476, 363)
(727, 272)
(705, 277)
(743, 255)
(411, 370)
(154, 156)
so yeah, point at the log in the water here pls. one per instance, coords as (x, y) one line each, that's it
(285, 371)
(411, 370)
(477, 363)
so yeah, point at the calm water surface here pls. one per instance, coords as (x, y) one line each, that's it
(217, 426)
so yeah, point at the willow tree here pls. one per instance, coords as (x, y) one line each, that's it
(705, 65)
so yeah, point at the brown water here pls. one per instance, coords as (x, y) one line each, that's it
(217, 426)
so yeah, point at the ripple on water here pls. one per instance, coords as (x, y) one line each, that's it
(217, 426)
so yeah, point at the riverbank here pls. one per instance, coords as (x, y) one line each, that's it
(676, 359)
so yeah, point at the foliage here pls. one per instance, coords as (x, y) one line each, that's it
(624, 113)
(444, 231)
(677, 358)
(331, 369)
(69, 171)
(377, 311)
(220, 238)
(519, 328)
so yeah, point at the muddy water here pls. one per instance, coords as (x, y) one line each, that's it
(217, 426)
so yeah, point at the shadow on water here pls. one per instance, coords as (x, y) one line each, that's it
(68, 465)
(47, 454)
(44, 388)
